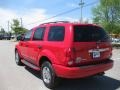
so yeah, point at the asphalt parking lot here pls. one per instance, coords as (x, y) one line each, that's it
(13, 77)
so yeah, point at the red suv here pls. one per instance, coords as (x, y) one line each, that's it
(65, 50)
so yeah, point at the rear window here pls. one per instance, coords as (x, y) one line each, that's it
(89, 34)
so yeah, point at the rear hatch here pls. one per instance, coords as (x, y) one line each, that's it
(91, 44)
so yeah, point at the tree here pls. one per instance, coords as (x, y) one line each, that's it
(107, 14)
(2, 31)
(16, 28)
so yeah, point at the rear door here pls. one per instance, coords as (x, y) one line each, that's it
(91, 43)
(56, 43)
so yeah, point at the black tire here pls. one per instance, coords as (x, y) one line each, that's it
(53, 79)
(101, 74)
(18, 59)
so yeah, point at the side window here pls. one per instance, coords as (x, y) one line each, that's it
(28, 35)
(39, 33)
(56, 33)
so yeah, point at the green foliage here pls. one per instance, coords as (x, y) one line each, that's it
(116, 45)
(17, 29)
(107, 14)
(2, 31)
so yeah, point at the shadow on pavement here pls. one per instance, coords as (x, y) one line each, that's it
(34, 72)
(90, 83)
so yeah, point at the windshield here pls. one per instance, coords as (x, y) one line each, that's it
(89, 34)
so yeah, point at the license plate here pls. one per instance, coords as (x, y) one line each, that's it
(96, 54)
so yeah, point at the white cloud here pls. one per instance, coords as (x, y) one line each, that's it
(28, 16)
(6, 15)
(31, 17)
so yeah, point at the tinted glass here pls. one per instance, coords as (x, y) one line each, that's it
(28, 35)
(56, 33)
(89, 34)
(39, 34)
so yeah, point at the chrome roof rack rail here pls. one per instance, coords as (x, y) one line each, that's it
(55, 22)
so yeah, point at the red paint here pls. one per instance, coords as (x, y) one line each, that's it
(60, 53)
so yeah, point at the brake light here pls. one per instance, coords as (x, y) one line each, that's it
(72, 60)
(70, 54)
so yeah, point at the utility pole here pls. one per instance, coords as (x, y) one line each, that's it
(81, 5)
(0, 28)
(21, 22)
(8, 26)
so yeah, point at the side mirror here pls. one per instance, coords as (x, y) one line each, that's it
(20, 37)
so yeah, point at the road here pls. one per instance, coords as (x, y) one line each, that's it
(13, 77)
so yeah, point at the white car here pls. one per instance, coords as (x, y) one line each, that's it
(116, 40)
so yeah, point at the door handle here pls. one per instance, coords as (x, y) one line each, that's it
(39, 47)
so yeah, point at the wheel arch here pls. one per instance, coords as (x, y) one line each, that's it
(43, 59)
(46, 55)
(16, 49)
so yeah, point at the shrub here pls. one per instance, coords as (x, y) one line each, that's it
(116, 45)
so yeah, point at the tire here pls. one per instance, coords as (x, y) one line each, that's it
(48, 75)
(18, 59)
(101, 74)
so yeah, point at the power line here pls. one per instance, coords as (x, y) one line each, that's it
(56, 15)
(90, 4)
(66, 12)
(60, 14)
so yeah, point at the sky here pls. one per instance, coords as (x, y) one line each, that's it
(34, 12)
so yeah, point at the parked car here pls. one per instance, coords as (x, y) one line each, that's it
(12, 36)
(115, 40)
(1, 37)
(65, 50)
(7, 37)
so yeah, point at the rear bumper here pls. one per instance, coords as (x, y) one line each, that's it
(82, 71)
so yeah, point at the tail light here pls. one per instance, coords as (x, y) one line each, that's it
(70, 55)
(72, 60)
